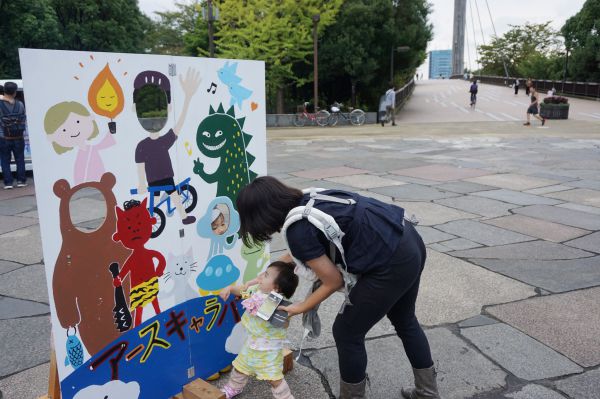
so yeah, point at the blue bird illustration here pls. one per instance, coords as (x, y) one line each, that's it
(228, 75)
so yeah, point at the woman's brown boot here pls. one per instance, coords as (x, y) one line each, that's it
(425, 385)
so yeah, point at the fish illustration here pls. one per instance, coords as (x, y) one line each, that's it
(74, 351)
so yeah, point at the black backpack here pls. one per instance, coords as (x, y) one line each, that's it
(13, 122)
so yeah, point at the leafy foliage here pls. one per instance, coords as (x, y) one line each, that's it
(90, 25)
(582, 37)
(179, 32)
(528, 50)
(277, 32)
(356, 50)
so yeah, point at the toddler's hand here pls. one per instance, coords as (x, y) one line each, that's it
(225, 293)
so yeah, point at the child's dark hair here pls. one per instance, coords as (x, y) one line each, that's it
(286, 281)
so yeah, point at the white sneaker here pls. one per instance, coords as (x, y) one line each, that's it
(24, 184)
(9, 187)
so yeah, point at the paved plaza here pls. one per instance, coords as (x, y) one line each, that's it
(510, 296)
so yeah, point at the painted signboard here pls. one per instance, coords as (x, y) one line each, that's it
(164, 144)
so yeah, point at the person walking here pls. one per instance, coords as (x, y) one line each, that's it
(12, 140)
(390, 106)
(528, 86)
(385, 254)
(516, 86)
(533, 108)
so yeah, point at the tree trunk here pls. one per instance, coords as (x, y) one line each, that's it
(280, 100)
(353, 83)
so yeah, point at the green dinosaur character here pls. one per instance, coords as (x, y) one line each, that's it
(220, 135)
(257, 259)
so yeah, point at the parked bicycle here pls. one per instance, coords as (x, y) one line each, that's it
(321, 117)
(189, 199)
(355, 116)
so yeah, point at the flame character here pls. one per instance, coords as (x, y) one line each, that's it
(106, 96)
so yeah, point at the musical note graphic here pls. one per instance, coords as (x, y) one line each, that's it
(211, 87)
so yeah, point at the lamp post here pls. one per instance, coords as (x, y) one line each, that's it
(565, 71)
(211, 15)
(401, 49)
(316, 18)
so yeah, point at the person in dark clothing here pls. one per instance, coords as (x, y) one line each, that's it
(12, 139)
(385, 252)
(516, 86)
(533, 108)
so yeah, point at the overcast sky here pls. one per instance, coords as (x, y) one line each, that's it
(504, 12)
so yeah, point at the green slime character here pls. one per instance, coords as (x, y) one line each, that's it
(220, 135)
(257, 259)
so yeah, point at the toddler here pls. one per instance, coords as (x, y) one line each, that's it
(218, 225)
(262, 353)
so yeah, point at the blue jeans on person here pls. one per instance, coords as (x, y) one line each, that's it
(8, 149)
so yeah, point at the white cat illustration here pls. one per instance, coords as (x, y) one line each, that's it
(177, 284)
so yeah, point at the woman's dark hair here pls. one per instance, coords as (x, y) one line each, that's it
(263, 206)
(286, 281)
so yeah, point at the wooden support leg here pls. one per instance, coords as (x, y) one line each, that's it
(288, 361)
(53, 382)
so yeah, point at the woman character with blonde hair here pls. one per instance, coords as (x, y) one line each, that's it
(70, 125)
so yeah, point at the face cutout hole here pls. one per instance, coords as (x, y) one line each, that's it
(87, 208)
(151, 107)
(220, 219)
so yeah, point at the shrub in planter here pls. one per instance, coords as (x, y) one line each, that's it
(555, 107)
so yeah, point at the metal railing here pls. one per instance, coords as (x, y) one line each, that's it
(402, 96)
(581, 89)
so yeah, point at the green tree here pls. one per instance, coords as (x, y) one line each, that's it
(522, 47)
(582, 37)
(357, 49)
(25, 23)
(277, 32)
(96, 25)
(179, 32)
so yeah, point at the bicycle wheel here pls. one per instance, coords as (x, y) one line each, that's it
(333, 119)
(322, 117)
(299, 120)
(189, 198)
(357, 117)
(161, 222)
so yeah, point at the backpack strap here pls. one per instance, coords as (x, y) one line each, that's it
(329, 227)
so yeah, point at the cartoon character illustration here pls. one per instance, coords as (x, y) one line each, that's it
(152, 153)
(74, 350)
(220, 135)
(228, 75)
(105, 96)
(70, 125)
(219, 273)
(111, 390)
(81, 283)
(220, 225)
(176, 283)
(134, 227)
(257, 258)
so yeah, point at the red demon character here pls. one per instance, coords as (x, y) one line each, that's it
(134, 226)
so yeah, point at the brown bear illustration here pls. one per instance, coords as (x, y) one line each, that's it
(82, 283)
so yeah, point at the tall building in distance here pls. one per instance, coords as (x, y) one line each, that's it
(440, 64)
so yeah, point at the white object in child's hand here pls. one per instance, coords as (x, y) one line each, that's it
(269, 306)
